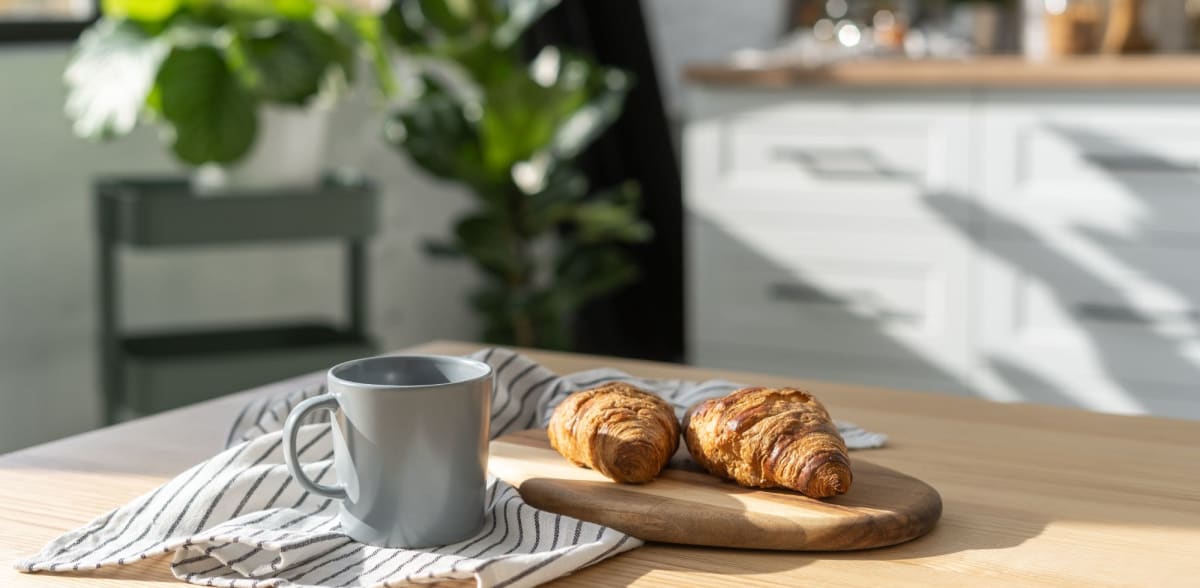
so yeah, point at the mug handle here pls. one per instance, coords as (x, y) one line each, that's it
(290, 428)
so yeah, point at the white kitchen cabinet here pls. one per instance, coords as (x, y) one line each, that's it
(1022, 245)
(1123, 165)
(871, 296)
(1113, 342)
(828, 158)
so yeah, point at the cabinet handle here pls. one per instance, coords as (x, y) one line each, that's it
(1139, 163)
(789, 292)
(857, 301)
(867, 165)
(1115, 313)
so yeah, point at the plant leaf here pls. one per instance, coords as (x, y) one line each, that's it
(531, 123)
(487, 239)
(370, 30)
(214, 118)
(609, 88)
(521, 14)
(584, 273)
(397, 22)
(290, 9)
(564, 190)
(451, 17)
(109, 77)
(601, 222)
(148, 11)
(288, 65)
(520, 118)
(436, 134)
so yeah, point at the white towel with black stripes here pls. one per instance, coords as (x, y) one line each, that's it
(239, 520)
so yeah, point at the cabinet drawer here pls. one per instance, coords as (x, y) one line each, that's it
(850, 157)
(892, 297)
(846, 153)
(1127, 312)
(1132, 173)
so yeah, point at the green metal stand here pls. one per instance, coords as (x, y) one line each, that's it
(150, 372)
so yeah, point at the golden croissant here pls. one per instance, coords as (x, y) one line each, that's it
(616, 429)
(768, 438)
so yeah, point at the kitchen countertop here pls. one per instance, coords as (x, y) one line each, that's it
(1153, 71)
(1033, 495)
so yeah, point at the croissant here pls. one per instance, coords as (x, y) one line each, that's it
(770, 437)
(616, 429)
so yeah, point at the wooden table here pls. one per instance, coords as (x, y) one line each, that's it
(1033, 495)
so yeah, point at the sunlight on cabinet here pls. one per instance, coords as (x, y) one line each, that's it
(1031, 245)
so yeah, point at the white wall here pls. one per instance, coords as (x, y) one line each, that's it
(48, 370)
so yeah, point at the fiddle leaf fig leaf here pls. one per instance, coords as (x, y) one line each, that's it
(436, 135)
(451, 17)
(521, 14)
(594, 117)
(371, 31)
(110, 77)
(213, 117)
(289, 64)
(587, 272)
(487, 240)
(565, 188)
(148, 11)
(399, 23)
(291, 9)
(612, 217)
(533, 122)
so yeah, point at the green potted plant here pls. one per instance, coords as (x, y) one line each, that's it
(240, 88)
(543, 239)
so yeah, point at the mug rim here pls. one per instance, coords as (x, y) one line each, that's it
(487, 371)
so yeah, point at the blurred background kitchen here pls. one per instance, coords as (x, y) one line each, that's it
(989, 198)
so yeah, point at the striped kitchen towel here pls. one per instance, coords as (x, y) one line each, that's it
(239, 520)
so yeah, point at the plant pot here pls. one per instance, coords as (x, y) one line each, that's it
(288, 152)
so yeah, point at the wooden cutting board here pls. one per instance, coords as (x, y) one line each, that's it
(883, 507)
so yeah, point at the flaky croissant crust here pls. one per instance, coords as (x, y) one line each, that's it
(770, 437)
(616, 429)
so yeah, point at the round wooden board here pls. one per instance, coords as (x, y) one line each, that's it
(883, 507)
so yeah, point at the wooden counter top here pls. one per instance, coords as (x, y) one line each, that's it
(1158, 71)
(1033, 495)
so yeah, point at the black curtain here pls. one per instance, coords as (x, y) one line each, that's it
(645, 320)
